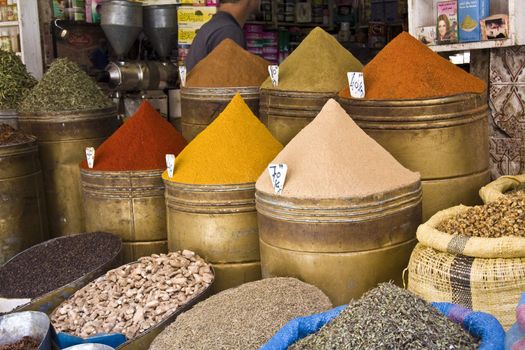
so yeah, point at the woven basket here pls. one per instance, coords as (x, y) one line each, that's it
(483, 274)
(497, 188)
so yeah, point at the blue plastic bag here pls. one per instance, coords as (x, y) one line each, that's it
(481, 325)
(65, 340)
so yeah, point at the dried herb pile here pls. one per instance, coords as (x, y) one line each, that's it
(388, 317)
(242, 318)
(15, 81)
(55, 263)
(503, 217)
(64, 87)
(10, 136)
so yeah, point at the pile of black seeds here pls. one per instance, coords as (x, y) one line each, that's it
(55, 263)
(389, 317)
(10, 136)
(64, 87)
(242, 318)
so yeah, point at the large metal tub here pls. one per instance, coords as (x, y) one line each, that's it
(62, 139)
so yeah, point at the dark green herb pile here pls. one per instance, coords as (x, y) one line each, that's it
(15, 81)
(389, 317)
(10, 136)
(64, 87)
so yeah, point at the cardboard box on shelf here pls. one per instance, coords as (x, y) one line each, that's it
(447, 22)
(495, 27)
(186, 34)
(427, 35)
(470, 13)
(195, 15)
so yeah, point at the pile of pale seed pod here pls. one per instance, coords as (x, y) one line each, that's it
(134, 297)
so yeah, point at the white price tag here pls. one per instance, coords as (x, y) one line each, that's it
(278, 176)
(170, 164)
(182, 72)
(90, 156)
(357, 84)
(274, 74)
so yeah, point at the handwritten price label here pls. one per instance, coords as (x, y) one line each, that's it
(170, 164)
(357, 84)
(90, 156)
(182, 73)
(274, 74)
(278, 176)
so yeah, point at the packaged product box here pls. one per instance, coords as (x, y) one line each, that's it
(470, 13)
(195, 15)
(58, 9)
(495, 27)
(186, 34)
(447, 22)
(427, 35)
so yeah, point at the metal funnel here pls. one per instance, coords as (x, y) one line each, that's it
(160, 26)
(121, 21)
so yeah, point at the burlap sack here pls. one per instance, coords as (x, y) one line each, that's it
(497, 188)
(483, 274)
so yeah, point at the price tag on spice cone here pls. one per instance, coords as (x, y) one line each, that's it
(182, 72)
(90, 156)
(170, 164)
(357, 84)
(278, 176)
(274, 74)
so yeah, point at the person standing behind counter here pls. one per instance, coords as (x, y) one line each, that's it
(226, 23)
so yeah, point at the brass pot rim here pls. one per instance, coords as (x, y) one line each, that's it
(120, 173)
(411, 102)
(67, 116)
(209, 187)
(73, 283)
(8, 112)
(21, 147)
(217, 91)
(298, 94)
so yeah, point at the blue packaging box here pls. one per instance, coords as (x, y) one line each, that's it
(470, 12)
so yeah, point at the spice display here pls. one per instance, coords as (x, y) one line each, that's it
(242, 318)
(135, 297)
(10, 136)
(15, 81)
(228, 65)
(333, 158)
(318, 64)
(468, 23)
(408, 69)
(388, 317)
(140, 144)
(26, 343)
(503, 217)
(55, 263)
(235, 148)
(64, 87)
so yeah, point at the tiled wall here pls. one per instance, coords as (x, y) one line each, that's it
(507, 104)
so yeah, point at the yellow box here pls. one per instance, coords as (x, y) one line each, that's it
(187, 34)
(195, 15)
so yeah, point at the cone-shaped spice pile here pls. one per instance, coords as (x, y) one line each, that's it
(407, 69)
(333, 158)
(228, 65)
(235, 148)
(140, 144)
(318, 64)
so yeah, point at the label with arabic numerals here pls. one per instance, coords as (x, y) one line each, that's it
(90, 156)
(274, 74)
(170, 164)
(357, 84)
(182, 72)
(278, 176)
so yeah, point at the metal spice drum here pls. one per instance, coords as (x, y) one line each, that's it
(218, 222)
(23, 220)
(200, 106)
(444, 139)
(9, 117)
(343, 246)
(62, 140)
(129, 204)
(285, 113)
